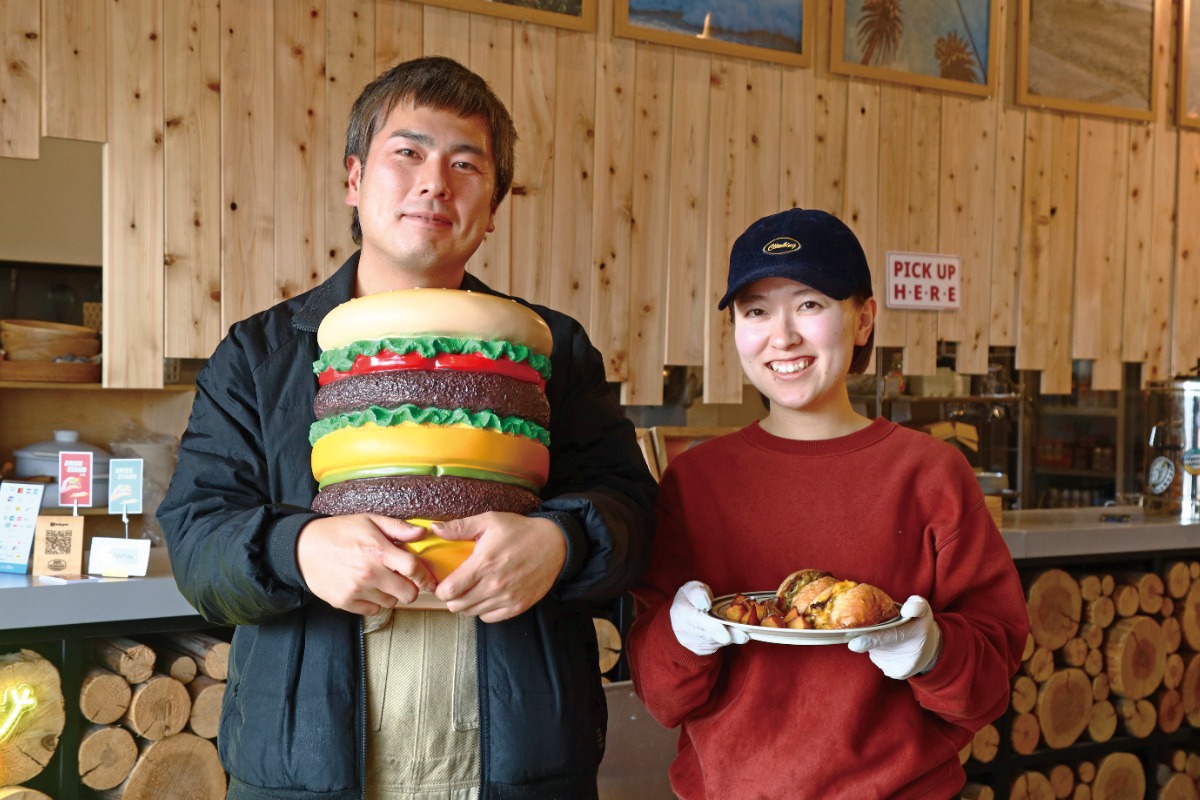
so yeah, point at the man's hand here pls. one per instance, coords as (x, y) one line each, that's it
(515, 563)
(907, 649)
(357, 562)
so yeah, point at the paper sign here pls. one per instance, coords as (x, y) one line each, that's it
(19, 505)
(75, 479)
(927, 281)
(119, 558)
(125, 486)
(58, 545)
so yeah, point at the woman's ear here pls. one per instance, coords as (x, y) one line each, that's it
(866, 321)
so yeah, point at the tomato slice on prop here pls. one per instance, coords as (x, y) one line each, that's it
(386, 360)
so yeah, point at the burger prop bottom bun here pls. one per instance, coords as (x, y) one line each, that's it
(812, 599)
(431, 406)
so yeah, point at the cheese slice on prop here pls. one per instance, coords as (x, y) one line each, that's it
(431, 407)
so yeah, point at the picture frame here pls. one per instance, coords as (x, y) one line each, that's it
(1188, 102)
(729, 30)
(670, 441)
(1106, 67)
(579, 16)
(947, 45)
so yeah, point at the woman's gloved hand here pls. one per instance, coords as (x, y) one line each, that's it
(694, 629)
(908, 649)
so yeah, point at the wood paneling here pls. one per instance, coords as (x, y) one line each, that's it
(727, 219)
(300, 188)
(574, 157)
(247, 159)
(20, 78)
(349, 66)
(612, 208)
(688, 209)
(965, 223)
(491, 56)
(133, 197)
(399, 33)
(652, 80)
(1036, 212)
(1056, 319)
(74, 64)
(192, 167)
(534, 57)
(637, 166)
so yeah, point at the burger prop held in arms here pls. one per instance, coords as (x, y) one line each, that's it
(431, 406)
(810, 599)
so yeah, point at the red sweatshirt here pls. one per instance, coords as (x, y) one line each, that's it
(886, 505)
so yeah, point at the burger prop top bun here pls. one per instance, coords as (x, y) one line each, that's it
(431, 406)
(812, 599)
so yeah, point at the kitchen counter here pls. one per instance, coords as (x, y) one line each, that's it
(1051, 533)
(29, 602)
(26, 601)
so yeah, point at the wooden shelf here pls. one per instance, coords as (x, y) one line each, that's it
(75, 387)
(1077, 411)
(1074, 473)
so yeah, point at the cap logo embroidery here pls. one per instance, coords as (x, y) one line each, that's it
(780, 245)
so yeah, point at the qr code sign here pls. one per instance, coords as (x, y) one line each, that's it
(58, 543)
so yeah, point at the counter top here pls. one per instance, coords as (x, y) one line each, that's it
(1052, 533)
(26, 601)
(29, 602)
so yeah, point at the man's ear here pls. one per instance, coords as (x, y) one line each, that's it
(353, 178)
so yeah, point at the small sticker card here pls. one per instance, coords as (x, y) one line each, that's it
(75, 479)
(19, 505)
(58, 546)
(119, 558)
(125, 486)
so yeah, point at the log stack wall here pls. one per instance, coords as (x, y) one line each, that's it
(1107, 694)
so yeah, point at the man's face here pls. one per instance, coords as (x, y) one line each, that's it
(424, 196)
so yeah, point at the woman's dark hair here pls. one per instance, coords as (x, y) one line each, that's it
(432, 82)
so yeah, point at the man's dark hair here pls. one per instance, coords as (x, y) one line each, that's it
(439, 83)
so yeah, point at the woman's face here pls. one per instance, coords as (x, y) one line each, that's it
(795, 344)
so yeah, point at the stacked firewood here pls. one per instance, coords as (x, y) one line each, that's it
(1113, 654)
(154, 706)
(32, 717)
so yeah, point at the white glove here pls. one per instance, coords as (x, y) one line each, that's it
(694, 628)
(908, 649)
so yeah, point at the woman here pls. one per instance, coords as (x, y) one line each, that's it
(816, 485)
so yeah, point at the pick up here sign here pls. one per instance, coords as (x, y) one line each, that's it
(924, 281)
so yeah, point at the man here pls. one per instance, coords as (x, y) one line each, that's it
(500, 698)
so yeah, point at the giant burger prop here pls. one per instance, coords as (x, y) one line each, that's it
(431, 406)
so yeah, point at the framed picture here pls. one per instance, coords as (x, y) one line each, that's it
(732, 28)
(1188, 101)
(671, 441)
(576, 15)
(1093, 58)
(938, 44)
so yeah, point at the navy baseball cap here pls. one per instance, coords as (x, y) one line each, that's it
(812, 247)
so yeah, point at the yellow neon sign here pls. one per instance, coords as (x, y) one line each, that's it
(16, 701)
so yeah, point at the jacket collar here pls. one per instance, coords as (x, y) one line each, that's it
(340, 287)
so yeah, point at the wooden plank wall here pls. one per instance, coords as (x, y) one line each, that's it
(638, 164)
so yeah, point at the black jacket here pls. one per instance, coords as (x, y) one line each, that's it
(293, 722)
